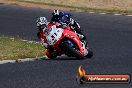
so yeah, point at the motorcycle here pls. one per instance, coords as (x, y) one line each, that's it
(66, 41)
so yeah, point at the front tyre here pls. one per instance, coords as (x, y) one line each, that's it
(71, 51)
(90, 53)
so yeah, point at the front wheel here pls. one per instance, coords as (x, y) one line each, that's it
(71, 51)
(90, 53)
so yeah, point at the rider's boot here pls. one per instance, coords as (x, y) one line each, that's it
(81, 37)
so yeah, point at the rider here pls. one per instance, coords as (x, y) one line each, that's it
(65, 18)
(43, 27)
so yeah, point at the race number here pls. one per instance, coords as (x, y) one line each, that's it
(54, 35)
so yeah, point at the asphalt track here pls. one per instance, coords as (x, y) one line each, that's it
(110, 36)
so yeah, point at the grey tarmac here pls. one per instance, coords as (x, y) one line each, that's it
(110, 36)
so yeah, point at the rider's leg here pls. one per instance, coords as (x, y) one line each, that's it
(76, 27)
(80, 34)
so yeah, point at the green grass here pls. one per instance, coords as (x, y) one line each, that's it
(84, 9)
(15, 48)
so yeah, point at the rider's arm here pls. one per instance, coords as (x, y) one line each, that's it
(43, 39)
(68, 19)
(76, 24)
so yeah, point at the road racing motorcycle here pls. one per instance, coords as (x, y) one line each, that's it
(66, 41)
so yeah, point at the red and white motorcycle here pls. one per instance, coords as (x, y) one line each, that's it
(66, 41)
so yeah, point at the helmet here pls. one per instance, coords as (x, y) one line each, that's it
(42, 23)
(56, 12)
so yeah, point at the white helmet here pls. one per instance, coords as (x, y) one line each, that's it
(41, 21)
(56, 12)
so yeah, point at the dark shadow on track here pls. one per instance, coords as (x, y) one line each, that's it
(62, 58)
